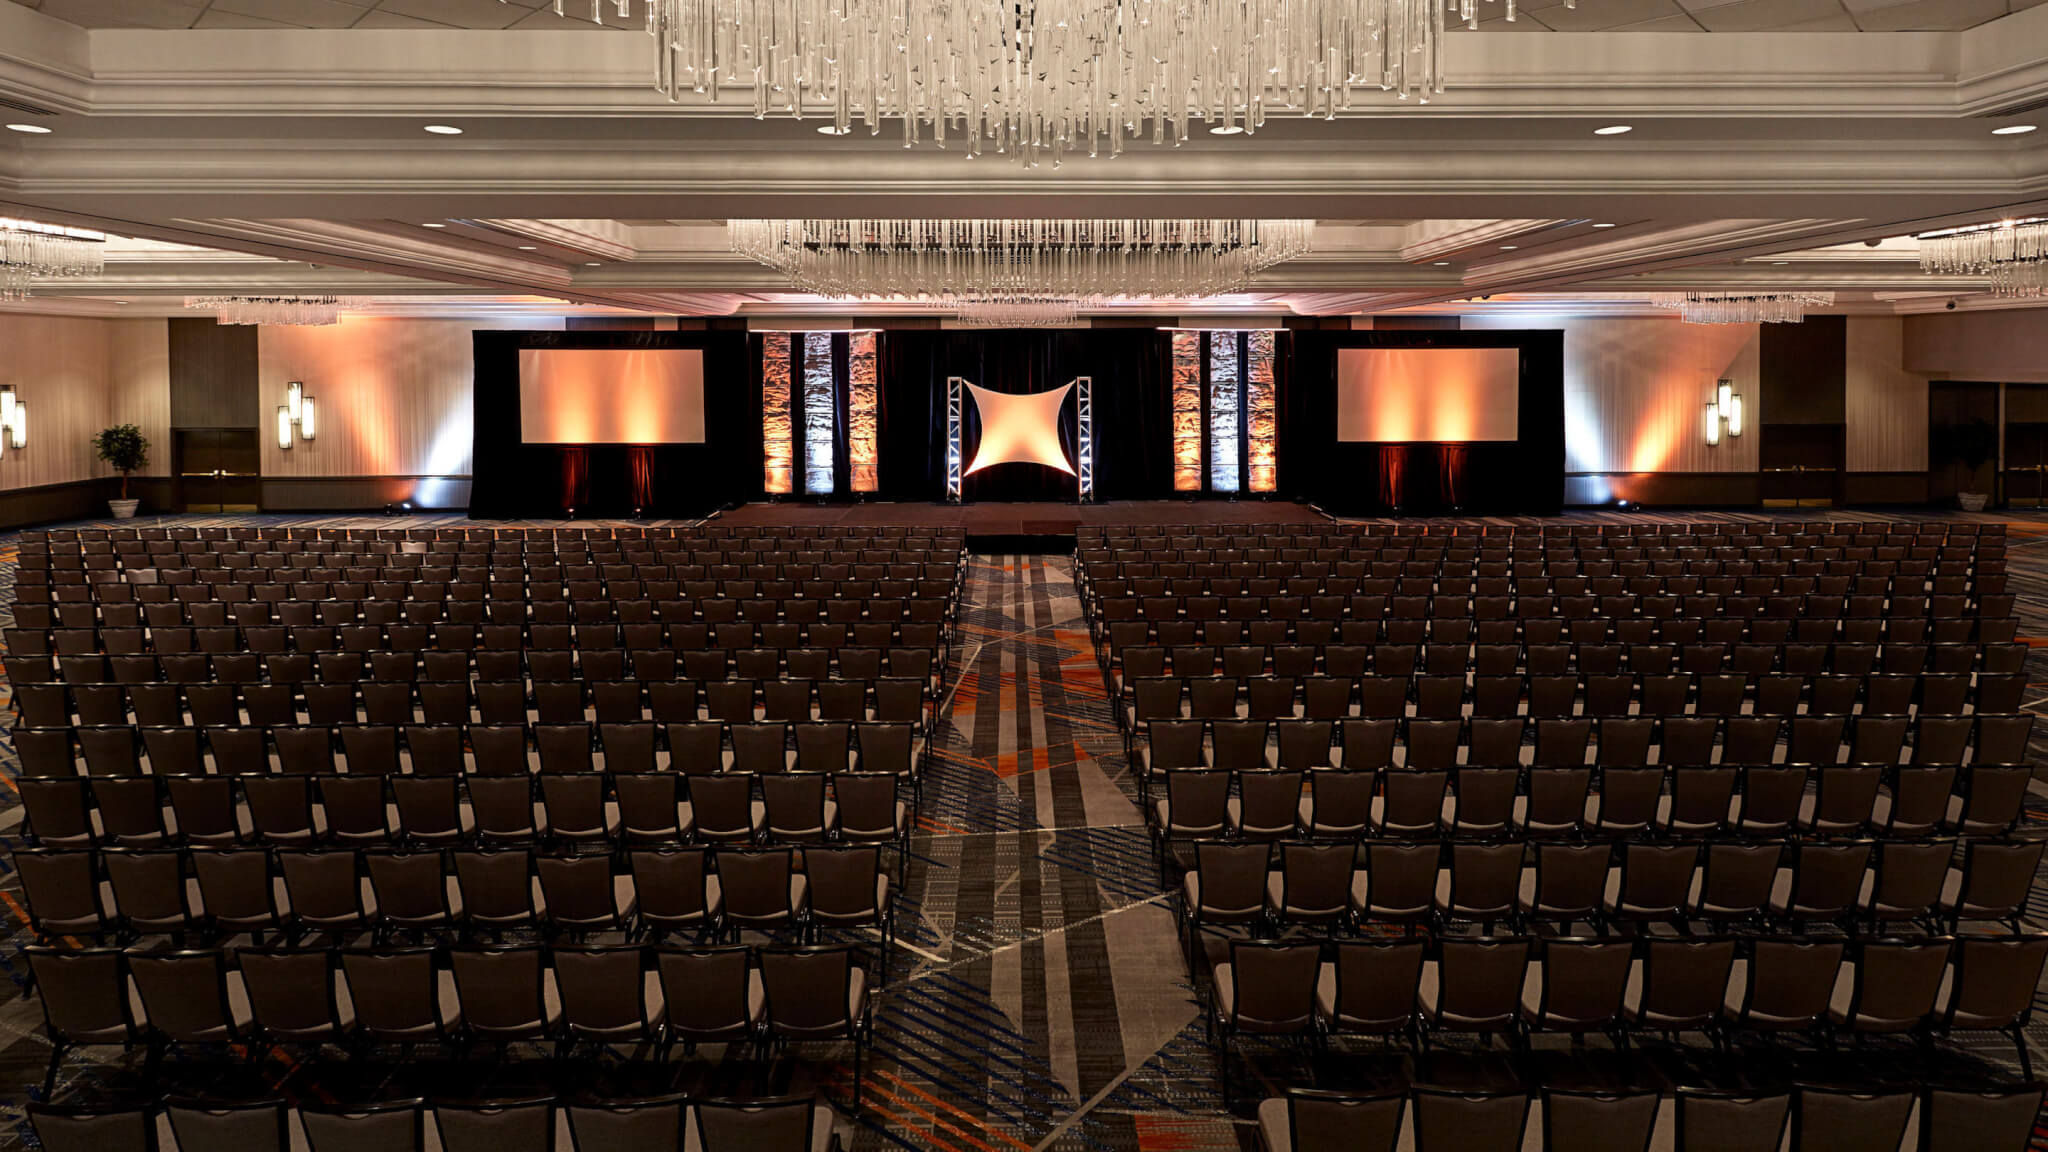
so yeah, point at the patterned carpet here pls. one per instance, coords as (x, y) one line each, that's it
(1039, 999)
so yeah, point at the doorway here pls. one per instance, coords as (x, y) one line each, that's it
(217, 469)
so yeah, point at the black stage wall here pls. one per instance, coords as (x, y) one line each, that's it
(1132, 379)
(513, 480)
(1132, 396)
(1523, 477)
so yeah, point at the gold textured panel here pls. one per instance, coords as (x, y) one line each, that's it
(1259, 415)
(860, 411)
(775, 432)
(1187, 411)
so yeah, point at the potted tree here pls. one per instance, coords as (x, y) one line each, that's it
(1972, 444)
(126, 450)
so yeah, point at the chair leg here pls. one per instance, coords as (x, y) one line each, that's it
(50, 1076)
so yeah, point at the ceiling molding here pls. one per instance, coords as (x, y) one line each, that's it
(606, 239)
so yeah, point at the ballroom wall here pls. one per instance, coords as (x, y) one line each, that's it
(2008, 346)
(1885, 413)
(396, 403)
(394, 407)
(78, 375)
(1634, 394)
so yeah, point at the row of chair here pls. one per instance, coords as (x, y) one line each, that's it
(1435, 743)
(1823, 1118)
(502, 995)
(1502, 645)
(1534, 563)
(902, 698)
(1561, 803)
(124, 894)
(1661, 698)
(591, 808)
(592, 535)
(1626, 886)
(695, 747)
(924, 648)
(251, 629)
(1133, 657)
(583, 1123)
(1549, 528)
(1513, 986)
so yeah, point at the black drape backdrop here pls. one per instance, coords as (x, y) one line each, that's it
(1132, 396)
(514, 480)
(1524, 476)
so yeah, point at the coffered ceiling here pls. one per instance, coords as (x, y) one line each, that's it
(1533, 15)
(293, 159)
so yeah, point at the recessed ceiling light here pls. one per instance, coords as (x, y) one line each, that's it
(593, 263)
(833, 130)
(444, 129)
(1779, 263)
(1509, 247)
(433, 225)
(1225, 130)
(1614, 130)
(2008, 130)
(31, 129)
(1603, 225)
(1442, 263)
(529, 247)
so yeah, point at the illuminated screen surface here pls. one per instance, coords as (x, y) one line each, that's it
(611, 395)
(1449, 394)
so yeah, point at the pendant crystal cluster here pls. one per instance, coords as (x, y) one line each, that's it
(1742, 307)
(2013, 253)
(1019, 272)
(34, 251)
(305, 311)
(1050, 76)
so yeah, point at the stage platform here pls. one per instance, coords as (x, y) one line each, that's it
(1026, 527)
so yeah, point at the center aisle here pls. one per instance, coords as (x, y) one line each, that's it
(1045, 1004)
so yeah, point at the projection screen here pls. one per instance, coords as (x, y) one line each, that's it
(1428, 394)
(611, 395)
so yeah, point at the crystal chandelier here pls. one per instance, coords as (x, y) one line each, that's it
(311, 311)
(2013, 253)
(1742, 307)
(1050, 75)
(33, 251)
(1019, 272)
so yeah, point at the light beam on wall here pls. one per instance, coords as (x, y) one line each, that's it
(1020, 429)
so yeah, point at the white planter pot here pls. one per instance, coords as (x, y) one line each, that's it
(123, 509)
(1972, 501)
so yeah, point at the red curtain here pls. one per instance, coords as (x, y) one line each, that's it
(641, 467)
(575, 478)
(1393, 474)
(1452, 479)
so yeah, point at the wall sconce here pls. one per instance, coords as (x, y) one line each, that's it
(296, 416)
(1723, 411)
(13, 420)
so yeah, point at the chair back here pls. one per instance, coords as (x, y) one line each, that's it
(525, 1125)
(647, 1125)
(1319, 1121)
(706, 992)
(1451, 1121)
(1599, 1121)
(253, 1126)
(765, 1124)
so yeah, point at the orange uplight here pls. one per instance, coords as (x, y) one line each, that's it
(1392, 395)
(611, 395)
(1020, 429)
